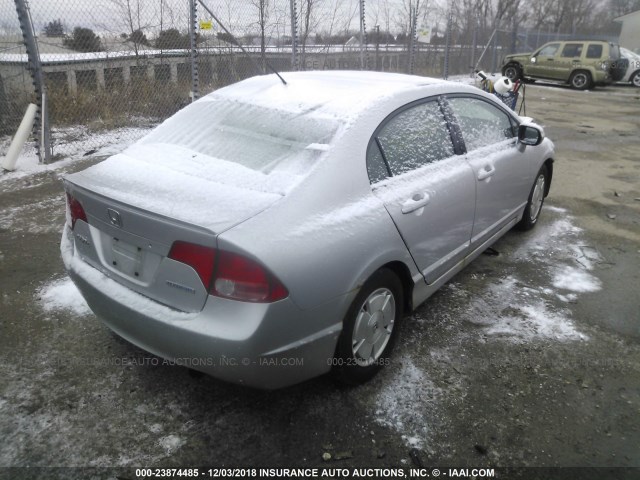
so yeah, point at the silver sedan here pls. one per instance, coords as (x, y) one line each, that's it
(269, 232)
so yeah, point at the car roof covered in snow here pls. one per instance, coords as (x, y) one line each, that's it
(339, 94)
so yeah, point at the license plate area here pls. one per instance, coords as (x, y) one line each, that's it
(127, 258)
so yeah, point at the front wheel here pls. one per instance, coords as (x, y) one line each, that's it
(635, 79)
(512, 71)
(536, 199)
(369, 329)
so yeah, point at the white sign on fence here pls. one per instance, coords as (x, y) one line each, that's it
(424, 34)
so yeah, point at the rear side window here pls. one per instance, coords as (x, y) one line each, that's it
(377, 167)
(414, 137)
(549, 50)
(481, 122)
(594, 51)
(572, 50)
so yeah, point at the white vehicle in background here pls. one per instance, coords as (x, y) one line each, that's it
(632, 75)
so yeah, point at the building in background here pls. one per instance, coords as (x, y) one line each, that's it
(630, 33)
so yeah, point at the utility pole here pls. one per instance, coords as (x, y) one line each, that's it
(41, 127)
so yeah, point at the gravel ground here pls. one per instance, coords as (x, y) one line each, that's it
(530, 357)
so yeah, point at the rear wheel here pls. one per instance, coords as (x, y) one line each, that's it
(536, 199)
(580, 80)
(369, 329)
(512, 71)
(635, 79)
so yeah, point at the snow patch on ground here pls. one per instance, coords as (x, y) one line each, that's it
(155, 428)
(62, 294)
(36, 218)
(71, 143)
(511, 310)
(519, 309)
(171, 443)
(575, 280)
(405, 404)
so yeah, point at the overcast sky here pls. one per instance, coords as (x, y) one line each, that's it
(109, 16)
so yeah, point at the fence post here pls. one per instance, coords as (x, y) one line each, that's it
(514, 36)
(413, 16)
(41, 127)
(193, 18)
(494, 53)
(294, 35)
(447, 47)
(363, 37)
(474, 46)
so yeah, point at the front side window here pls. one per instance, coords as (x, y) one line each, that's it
(572, 50)
(481, 122)
(550, 50)
(414, 137)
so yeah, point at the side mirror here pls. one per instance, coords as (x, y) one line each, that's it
(534, 59)
(530, 135)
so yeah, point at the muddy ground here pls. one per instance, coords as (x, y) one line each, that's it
(527, 358)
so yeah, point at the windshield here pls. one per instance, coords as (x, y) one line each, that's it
(263, 139)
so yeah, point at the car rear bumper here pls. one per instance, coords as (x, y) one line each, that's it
(259, 345)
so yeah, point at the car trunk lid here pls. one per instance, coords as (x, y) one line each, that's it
(140, 202)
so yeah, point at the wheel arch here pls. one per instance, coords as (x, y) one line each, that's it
(404, 275)
(584, 69)
(514, 63)
(549, 164)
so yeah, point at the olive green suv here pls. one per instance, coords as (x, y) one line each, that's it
(581, 64)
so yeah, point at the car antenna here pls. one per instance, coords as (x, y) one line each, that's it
(235, 40)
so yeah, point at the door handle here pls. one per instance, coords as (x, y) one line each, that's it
(550, 59)
(486, 172)
(417, 201)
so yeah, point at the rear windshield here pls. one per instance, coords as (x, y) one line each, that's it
(259, 138)
(614, 51)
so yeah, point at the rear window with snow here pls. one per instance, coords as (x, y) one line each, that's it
(262, 139)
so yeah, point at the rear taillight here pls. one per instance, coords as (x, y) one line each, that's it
(229, 275)
(240, 278)
(75, 210)
(198, 257)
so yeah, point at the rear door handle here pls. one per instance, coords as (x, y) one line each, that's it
(417, 201)
(486, 172)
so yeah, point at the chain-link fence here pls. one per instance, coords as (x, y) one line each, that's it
(113, 68)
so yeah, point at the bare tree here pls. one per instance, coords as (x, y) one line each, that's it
(309, 22)
(622, 7)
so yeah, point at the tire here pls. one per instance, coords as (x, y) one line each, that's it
(635, 79)
(512, 71)
(367, 339)
(535, 201)
(580, 80)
